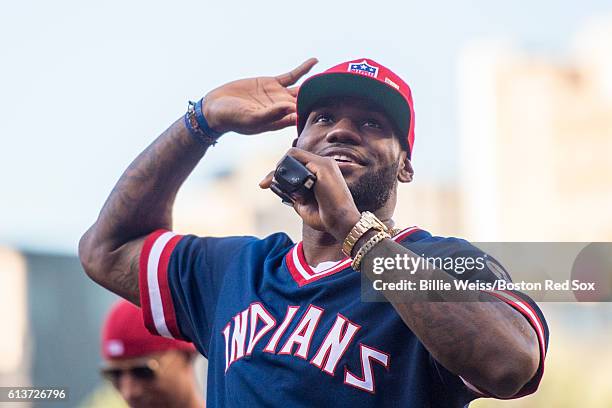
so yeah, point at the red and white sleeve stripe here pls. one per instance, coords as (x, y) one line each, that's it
(530, 314)
(155, 296)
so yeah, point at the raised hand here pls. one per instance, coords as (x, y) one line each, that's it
(255, 105)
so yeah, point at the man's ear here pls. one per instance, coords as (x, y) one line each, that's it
(405, 172)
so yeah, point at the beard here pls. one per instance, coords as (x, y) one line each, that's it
(372, 191)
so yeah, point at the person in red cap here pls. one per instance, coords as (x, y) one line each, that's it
(147, 370)
(333, 320)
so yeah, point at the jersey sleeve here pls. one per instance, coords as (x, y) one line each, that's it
(180, 279)
(490, 270)
(485, 268)
(530, 310)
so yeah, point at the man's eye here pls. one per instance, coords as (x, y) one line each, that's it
(372, 123)
(322, 118)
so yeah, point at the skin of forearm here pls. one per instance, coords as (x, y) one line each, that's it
(472, 334)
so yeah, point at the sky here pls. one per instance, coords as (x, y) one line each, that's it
(85, 86)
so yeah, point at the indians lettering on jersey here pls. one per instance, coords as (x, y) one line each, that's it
(255, 322)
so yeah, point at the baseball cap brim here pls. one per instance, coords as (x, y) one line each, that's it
(335, 84)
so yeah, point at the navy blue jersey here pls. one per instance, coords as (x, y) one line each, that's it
(277, 333)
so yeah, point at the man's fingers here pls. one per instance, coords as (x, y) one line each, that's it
(293, 91)
(275, 112)
(318, 165)
(283, 97)
(288, 120)
(303, 156)
(267, 181)
(295, 74)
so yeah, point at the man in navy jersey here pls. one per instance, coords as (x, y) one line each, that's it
(283, 323)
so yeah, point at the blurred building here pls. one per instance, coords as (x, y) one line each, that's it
(434, 207)
(51, 316)
(536, 136)
(14, 344)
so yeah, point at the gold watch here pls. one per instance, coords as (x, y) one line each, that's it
(367, 222)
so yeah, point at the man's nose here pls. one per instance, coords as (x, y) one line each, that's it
(344, 131)
(129, 387)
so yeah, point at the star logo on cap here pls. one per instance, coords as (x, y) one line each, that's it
(363, 68)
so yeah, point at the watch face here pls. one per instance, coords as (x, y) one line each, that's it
(375, 222)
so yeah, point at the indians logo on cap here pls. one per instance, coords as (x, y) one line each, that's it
(363, 68)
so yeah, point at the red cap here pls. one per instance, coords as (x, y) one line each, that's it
(125, 336)
(364, 78)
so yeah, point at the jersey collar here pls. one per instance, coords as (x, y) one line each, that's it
(303, 274)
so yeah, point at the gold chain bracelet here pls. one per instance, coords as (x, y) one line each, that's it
(367, 247)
